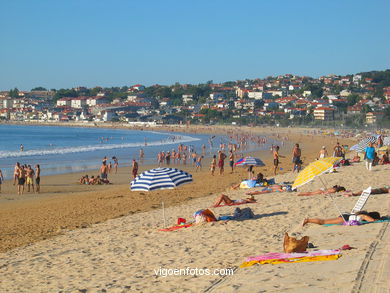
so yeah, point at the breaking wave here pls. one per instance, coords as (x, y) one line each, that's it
(89, 148)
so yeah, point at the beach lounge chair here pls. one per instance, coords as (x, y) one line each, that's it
(361, 201)
(359, 204)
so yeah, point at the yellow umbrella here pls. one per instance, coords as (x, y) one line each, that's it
(314, 169)
(384, 149)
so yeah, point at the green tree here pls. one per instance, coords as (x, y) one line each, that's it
(352, 99)
(39, 88)
(14, 93)
(366, 109)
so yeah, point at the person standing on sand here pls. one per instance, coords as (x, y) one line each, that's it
(104, 170)
(16, 172)
(1, 179)
(296, 153)
(323, 153)
(21, 179)
(116, 164)
(338, 150)
(276, 158)
(134, 168)
(37, 178)
(369, 155)
(30, 178)
(221, 161)
(231, 161)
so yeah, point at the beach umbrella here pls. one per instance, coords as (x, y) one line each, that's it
(160, 178)
(384, 149)
(361, 146)
(315, 169)
(386, 140)
(250, 161)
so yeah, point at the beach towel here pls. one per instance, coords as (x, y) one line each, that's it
(176, 227)
(248, 184)
(361, 223)
(277, 258)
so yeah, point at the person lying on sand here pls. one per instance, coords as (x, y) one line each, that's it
(224, 199)
(259, 180)
(361, 216)
(381, 190)
(333, 189)
(84, 180)
(268, 189)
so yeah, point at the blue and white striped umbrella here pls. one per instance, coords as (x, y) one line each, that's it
(250, 161)
(160, 178)
(361, 146)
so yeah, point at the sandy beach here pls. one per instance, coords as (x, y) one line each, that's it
(121, 254)
(95, 238)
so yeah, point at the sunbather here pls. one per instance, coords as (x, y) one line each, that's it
(224, 199)
(268, 189)
(259, 180)
(381, 190)
(361, 216)
(333, 189)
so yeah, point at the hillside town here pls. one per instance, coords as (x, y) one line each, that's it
(352, 100)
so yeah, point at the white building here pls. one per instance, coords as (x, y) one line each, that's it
(255, 95)
(79, 102)
(64, 102)
(187, 98)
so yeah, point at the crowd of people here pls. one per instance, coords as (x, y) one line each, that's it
(26, 177)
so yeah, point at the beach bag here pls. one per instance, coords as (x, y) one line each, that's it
(292, 244)
(243, 214)
(204, 216)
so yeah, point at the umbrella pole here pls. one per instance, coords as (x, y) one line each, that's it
(331, 197)
(163, 208)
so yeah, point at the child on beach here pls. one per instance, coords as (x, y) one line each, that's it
(199, 163)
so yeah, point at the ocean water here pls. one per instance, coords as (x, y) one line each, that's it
(61, 150)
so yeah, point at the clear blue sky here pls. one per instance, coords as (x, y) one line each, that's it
(62, 44)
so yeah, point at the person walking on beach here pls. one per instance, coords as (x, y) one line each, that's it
(369, 155)
(1, 179)
(231, 161)
(104, 170)
(221, 161)
(37, 178)
(276, 158)
(296, 158)
(213, 165)
(134, 168)
(30, 178)
(199, 163)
